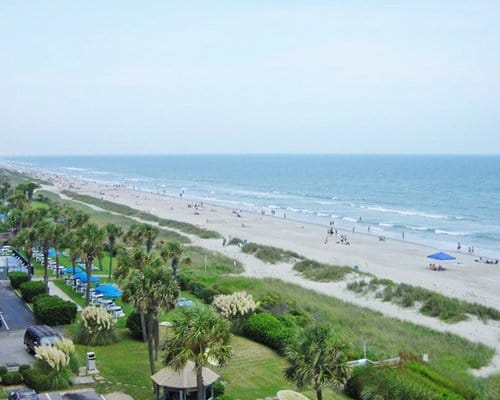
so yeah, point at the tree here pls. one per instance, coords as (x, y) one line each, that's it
(30, 188)
(142, 234)
(59, 241)
(317, 358)
(200, 335)
(148, 285)
(173, 251)
(114, 232)
(26, 240)
(72, 218)
(92, 238)
(75, 247)
(45, 237)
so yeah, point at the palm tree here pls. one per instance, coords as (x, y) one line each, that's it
(45, 237)
(30, 188)
(25, 239)
(200, 335)
(75, 247)
(114, 232)
(72, 218)
(172, 250)
(4, 189)
(92, 238)
(149, 234)
(317, 358)
(59, 241)
(149, 287)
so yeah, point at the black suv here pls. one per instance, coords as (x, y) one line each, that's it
(25, 394)
(40, 335)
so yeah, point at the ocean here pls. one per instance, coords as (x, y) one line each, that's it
(434, 200)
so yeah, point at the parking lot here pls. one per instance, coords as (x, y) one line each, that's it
(89, 394)
(17, 318)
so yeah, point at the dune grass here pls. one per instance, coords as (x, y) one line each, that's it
(270, 254)
(131, 212)
(320, 272)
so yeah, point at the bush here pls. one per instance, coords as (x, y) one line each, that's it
(219, 388)
(52, 310)
(17, 277)
(23, 368)
(12, 378)
(197, 288)
(35, 380)
(3, 370)
(133, 324)
(32, 289)
(316, 271)
(184, 281)
(96, 327)
(444, 308)
(208, 295)
(267, 329)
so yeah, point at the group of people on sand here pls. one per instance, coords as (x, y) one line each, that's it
(433, 267)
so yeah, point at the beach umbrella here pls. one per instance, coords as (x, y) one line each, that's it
(441, 256)
(83, 277)
(52, 252)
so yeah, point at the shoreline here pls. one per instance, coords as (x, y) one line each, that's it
(397, 260)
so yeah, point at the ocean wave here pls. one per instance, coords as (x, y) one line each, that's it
(386, 224)
(320, 214)
(419, 228)
(293, 209)
(406, 212)
(75, 169)
(349, 219)
(450, 233)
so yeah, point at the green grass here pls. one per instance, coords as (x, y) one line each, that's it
(316, 271)
(131, 212)
(270, 254)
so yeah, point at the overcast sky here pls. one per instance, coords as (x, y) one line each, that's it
(99, 77)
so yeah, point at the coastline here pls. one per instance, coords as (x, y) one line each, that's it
(398, 260)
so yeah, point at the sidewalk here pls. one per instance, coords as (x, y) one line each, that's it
(54, 290)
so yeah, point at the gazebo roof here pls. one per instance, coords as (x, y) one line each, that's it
(184, 378)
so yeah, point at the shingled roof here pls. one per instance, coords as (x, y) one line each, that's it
(184, 378)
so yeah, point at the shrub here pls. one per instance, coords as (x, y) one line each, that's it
(197, 288)
(12, 378)
(208, 295)
(184, 281)
(68, 348)
(52, 310)
(133, 324)
(219, 388)
(32, 289)
(234, 306)
(3, 370)
(321, 272)
(35, 380)
(443, 308)
(17, 277)
(235, 242)
(96, 327)
(267, 329)
(23, 368)
(53, 366)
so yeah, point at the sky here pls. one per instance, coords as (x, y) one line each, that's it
(163, 77)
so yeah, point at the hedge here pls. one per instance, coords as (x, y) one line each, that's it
(32, 289)
(35, 380)
(52, 310)
(3, 370)
(18, 277)
(133, 324)
(269, 330)
(12, 378)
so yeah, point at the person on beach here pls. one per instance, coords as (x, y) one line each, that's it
(368, 229)
(403, 235)
(459, 246)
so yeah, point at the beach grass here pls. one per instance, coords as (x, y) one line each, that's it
(445, 308)
(320, 272)
(131, 212)
(270, 254)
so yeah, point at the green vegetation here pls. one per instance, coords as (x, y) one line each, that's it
(131, 212)
(433, 304)
(317, 271)
(270, 254)
(30, 290)
(53, 311)
(16, 278)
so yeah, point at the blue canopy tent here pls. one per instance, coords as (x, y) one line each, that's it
(83, 277)
(52, 252)
(69, 270)
(441, 256)
(108, 291)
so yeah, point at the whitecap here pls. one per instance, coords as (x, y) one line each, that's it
(450, 233)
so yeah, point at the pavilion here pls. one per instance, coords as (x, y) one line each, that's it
(181, 385)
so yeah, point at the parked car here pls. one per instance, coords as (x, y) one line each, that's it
(25, 394)
(40, 335)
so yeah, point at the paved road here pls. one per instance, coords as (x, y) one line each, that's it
(16, 314)
(18, 318)
(72, 395)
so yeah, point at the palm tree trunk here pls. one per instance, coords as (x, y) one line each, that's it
(150, 335)
(199, 382)
(319, 393)
(143, 326)
(174, 267)
(88, 270)
(156, 328)
(46, 269)
(110, 263)
(57, 263)
(28, 258)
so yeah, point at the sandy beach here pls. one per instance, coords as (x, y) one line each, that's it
(398, 260)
